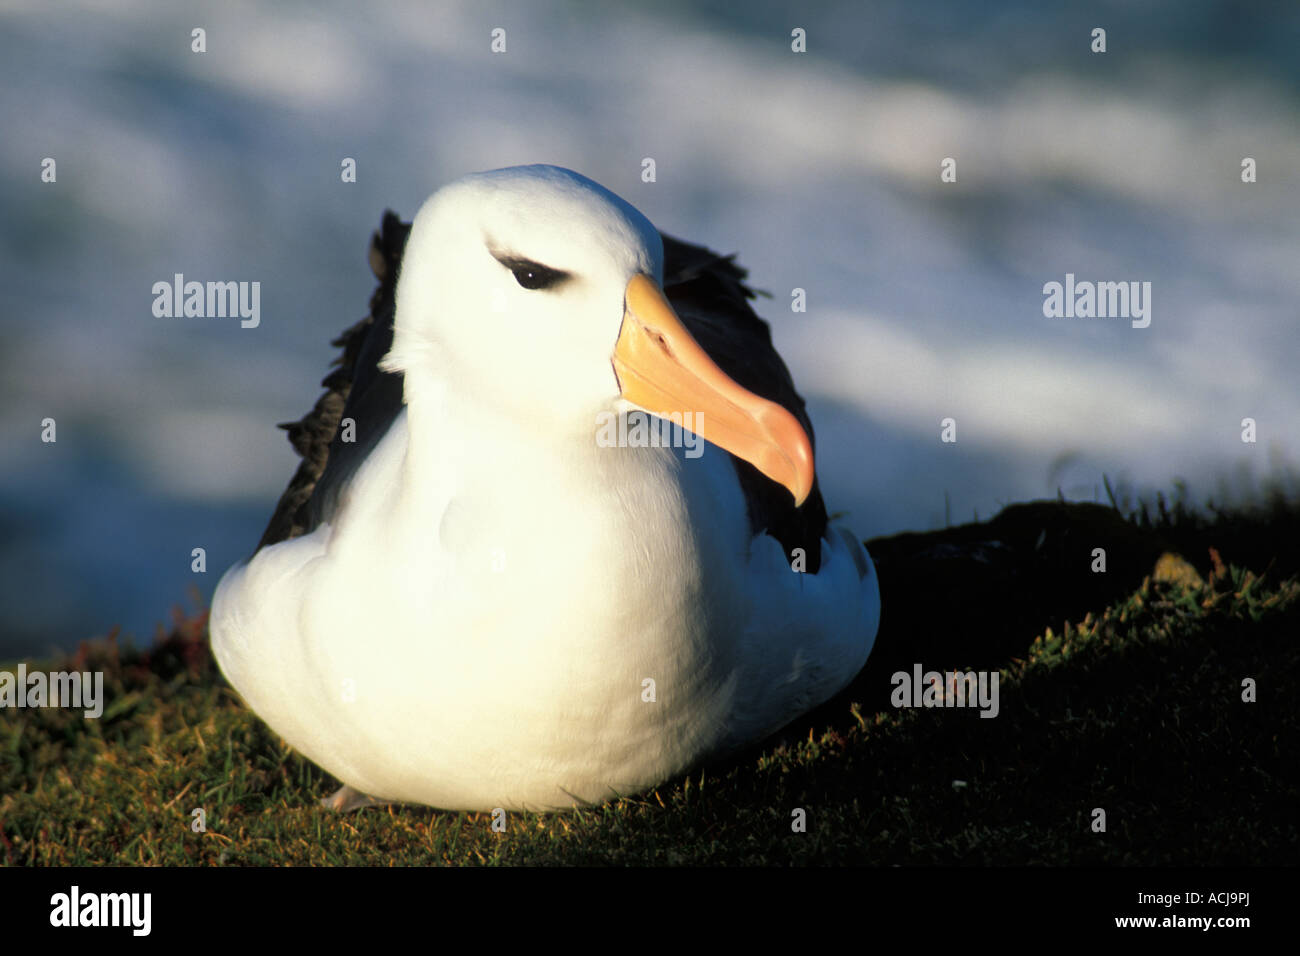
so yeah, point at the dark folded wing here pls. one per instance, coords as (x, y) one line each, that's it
(708, 292)
(356, 389)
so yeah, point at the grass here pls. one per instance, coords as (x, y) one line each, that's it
(1135, 706)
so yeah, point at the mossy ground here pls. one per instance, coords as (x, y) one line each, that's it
(1136, 708)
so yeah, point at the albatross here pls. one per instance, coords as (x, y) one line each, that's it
(469, 596)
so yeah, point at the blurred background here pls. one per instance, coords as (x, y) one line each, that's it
(821, 170)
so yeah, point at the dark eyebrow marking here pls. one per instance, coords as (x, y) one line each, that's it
(528, 273)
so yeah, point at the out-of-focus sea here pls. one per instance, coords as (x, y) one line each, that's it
(924, 299)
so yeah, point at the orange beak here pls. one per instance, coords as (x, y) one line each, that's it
(661, 368)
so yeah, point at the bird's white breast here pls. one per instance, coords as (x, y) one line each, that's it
(503, 623)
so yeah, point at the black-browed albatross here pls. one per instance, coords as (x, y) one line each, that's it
(465, 598)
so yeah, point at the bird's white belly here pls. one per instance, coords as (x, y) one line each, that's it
(508, 640)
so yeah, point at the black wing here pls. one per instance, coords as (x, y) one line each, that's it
(707, 291)
(709, 294)
(357, 389)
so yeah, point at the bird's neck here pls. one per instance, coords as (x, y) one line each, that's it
(477, 441)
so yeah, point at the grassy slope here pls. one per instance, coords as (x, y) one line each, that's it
(1137, 710)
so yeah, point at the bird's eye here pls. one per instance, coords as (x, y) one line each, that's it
(530, 275)
(536, 277)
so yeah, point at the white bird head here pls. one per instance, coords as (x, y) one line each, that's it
(538, 292)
